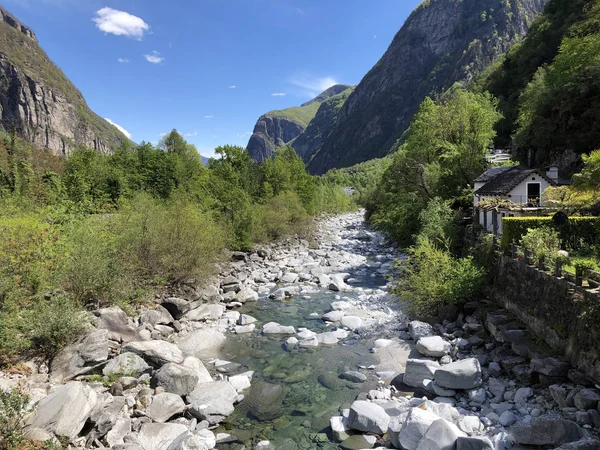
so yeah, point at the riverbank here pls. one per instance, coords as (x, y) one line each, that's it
(298, 345)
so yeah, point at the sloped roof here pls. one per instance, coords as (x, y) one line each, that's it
(492, 173)
(506, 180)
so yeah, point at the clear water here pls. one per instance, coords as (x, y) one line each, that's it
(308, 404)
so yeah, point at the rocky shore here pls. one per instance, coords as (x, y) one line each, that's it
(469, 379)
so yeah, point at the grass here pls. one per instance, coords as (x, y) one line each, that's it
(298, 114)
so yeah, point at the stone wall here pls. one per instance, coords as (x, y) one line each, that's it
(566, 317)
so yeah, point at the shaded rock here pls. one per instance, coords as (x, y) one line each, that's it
(368, 417)
(587, 399)
(212, 401)
(474, 443)
(418, 370)
(94, 348)
(176, 306)
(418, 330)
(547, 432)
(331, 381)
(264, 400)
(339, 428)
(158, 316)
(155, 352)
(358, 442)
(164, 406)
(465, 374)
(65, 411)
(353, 376)
(551, 367)
(176, 378)
(206, 312)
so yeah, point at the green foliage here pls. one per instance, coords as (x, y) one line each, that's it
(432, 277)
(577, 234)
(438, 224)
(14, 405)
(301, 115)
(543, 242)
(443, 153)
(282, 215)
(589, 177)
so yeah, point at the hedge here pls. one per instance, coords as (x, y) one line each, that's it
(575, 233)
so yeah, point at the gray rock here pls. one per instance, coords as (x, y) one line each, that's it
(337, 282)
(212, 401)
(275, 328)
(264, 400)
(587, 399)
(177, 379)
(441, 435)
(522, 395)
(333, 316)
(202, 344)
(559, 395)
(94, 348)
(507, 418)
(551, 367)
(126, 364)
(155, 352)
(116, 322)
(547, 432)
(159, 436)
(119, 430)
(339, 428)
(442, 392)
(368, 417)
(65, 411)
(474, 443)
(358, 442)
(176, 306)
(188, 441)
(164, 406)
(354, 376)
(199, 369)
(584, 444)
(433, 346)
(465, 374)
(477, 395)
(497, 387)
(206, 312)
(418, 330)
(494, 369)
(418, 370)
(414, 428)
(289, 278)
(353, 323)
(328, 338)
(157, 316)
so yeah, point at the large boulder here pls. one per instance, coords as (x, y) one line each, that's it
(66, 410)
(155, 352)
(264, 400)
(474, 443)
(212, 401)
(368, 417)
(544, 432)
(202, 343)
(176, 378)
(206, 312)
(126, 364)
(418, 330)
(441, 435)
(433, 346)
(188, 441)
(199, 369)
(164, 406)
(159, 436)
(417, 370)
(94, 348)
(415, 426)
(464, 374)
(117, 323)
(587, 399)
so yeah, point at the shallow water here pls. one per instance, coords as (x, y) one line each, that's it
(303, 373)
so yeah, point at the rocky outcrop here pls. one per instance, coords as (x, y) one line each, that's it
(442, 42)
(280, 128)
(39, 103)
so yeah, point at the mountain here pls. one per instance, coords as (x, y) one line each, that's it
(38, 101)
(441, 43)
(279, 128)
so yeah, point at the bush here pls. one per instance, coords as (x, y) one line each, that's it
(14, 405)
(282, 215)
(578, 233)
(543, 242)
(432, 278)
(438, 224)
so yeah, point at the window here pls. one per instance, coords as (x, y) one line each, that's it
(533, 193)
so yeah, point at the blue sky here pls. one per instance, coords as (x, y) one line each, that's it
(208, 68)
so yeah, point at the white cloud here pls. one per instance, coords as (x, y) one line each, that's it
(233, 86)
(195, 133)
(119, 127)
(278, 94)
(209, 117)
(120, 23)
(154, 57)
(311, 85)
(123, 60)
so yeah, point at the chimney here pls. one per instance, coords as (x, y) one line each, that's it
(552, 173)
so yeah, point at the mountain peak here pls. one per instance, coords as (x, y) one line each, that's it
(328, 93)
(8, 18)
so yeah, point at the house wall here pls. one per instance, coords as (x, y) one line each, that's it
(519, 193)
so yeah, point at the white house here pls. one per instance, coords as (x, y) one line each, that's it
(510, 192)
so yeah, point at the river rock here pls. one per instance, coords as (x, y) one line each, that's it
(176, 306)
(157, 316)
(441, 435)
(119, 430)
(339, 428)
(275, 328)
(155, 352)
(418, 370)
(333, 316)
(340, 306)
(353, 323)
(418, 330)
(464, 374)
(126, 364)
(354, 376)
(264, 400)
(188, 441)
(587, 399)
(338, 283)
(474, 443)
(164, 406)
(206, 312)
(522, 395)
(94, 348)
(199, 369)
(368, 417)
(330, 381)
(547, 432)
(328, 338)
(358, 442)
(212, 401)
(433, 346)
(65, 411)
(244, 329)
(415, 426)
(117, 323)
(204, 343)
(239, 382)
(247, 295)
(158, 436)
(176, 378)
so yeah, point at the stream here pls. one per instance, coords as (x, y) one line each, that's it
(312, 390)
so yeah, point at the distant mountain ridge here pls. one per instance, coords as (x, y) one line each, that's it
(279, 128)
(39, 103)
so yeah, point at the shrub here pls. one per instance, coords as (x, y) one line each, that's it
(432, 277)
(543, 242)
(282, 215)
(438, 225)
(14, 405)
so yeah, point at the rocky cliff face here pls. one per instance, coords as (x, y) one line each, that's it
(39, 103)
(280, 128)
(442, 42)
